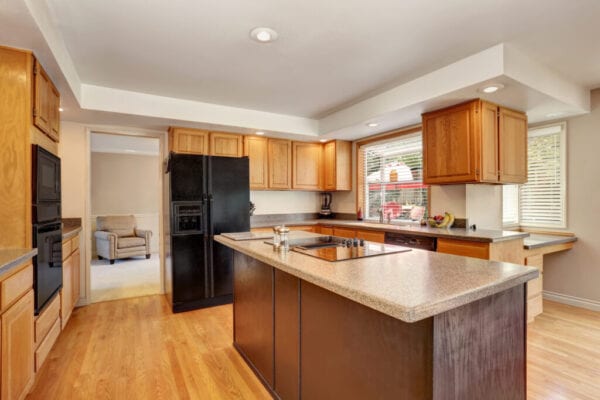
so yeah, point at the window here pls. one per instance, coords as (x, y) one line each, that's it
(541, 202)
(390, 178)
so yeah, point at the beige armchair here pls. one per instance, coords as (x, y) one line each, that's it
(118, 237)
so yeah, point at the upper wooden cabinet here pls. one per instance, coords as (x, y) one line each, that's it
(226, 144)
(474, 142)
(337, 165)
(46, 114)
(280, 163)
(188, 141)
(256, 148)
(307, 170)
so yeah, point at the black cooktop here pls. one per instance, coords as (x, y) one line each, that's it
(333, 248)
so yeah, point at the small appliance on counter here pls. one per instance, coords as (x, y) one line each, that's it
(47, 228)
(325, 211)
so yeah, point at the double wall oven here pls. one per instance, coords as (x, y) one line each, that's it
(47, 230)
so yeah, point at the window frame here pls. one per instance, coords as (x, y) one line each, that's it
(360, 183)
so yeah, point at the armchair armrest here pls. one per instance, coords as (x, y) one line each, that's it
(104, 235)
(143, 233)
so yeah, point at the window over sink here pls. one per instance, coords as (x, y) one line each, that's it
(541, 202)
(390, 171)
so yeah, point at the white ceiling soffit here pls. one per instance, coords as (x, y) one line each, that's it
(124, 144)
(530, 86)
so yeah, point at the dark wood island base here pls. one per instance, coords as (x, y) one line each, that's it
(307, 342)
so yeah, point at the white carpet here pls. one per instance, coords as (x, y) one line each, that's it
(130, 277)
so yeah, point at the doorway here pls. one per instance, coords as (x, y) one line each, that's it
(125, 205)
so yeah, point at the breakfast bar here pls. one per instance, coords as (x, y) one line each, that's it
(413, 324)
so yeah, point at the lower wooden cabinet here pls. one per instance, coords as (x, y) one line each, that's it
(17, 359)
(69, 295)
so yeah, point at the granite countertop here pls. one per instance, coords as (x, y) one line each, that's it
(480, 235)
(535, 241)
(12, 258)
(69, 231)
(408, 286)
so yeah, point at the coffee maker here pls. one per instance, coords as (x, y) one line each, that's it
(325, 211)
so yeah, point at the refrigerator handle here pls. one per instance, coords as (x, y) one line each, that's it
(211, 230)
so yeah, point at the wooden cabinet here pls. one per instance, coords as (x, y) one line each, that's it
(188, 141)
(344, 232)
(280, 163)
(371, 236)
(17, 333)
(226, 144)
(307, 170)
(325, 230)
(337, 165)
(69, 294)
(474, 142)
(46, 115)
(256, 149)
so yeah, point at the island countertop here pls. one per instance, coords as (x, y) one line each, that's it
(408, 286)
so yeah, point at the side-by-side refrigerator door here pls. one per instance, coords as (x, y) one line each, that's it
(189, 222)
(229, 200)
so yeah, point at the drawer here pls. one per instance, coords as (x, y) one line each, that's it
(262, 230)
(12, 288)
(44, 349)
(304, 228)
(46, 319)
(371, 236)
(66, 249)
(343, 232)
(463, 248)
(74, 243)
(534, 307)
(534, 287)
(326, 230)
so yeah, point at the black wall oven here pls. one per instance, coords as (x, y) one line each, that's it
(47, 228)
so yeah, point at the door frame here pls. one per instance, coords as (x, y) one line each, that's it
(88, 234)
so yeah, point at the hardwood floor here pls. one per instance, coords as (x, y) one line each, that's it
(563, 354)
(137, 349)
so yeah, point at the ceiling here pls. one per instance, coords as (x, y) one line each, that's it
(155, 63)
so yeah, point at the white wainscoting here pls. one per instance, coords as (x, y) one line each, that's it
(144, 221)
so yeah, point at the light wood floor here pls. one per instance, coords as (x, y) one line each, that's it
(137, 349)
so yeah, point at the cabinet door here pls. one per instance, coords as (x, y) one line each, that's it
(280, 164)
(256, 149)
(75, 276)
(253, 313)
(226, 144)
(451, 148)
(329, 166)
(42, 98)
(188, 141)
(326, 230)
(66, 300)
(343, 232)
(513, 146)
(371, 236)
(17, 348)
(307, 158)
(54, 104)
(489, 142)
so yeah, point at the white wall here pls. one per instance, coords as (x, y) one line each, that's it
(448, 198)
(285, 202)
(577, 272)
(484, 205)
(72, 150)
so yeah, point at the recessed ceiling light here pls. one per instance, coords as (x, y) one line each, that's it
(263, 35)
(260, 133)
(492, 88)
(61, 109)
(322, 140)
(555, 114)
(372, 124)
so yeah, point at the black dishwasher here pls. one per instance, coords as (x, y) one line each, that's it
(412, 241)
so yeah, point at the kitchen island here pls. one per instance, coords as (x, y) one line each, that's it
(415, 325)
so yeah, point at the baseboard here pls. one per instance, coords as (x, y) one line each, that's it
(572, 300)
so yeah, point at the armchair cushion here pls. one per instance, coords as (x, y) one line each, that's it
(127, 242)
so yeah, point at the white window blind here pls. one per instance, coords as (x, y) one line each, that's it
(510, 205)
(542, 198)
(392, 178)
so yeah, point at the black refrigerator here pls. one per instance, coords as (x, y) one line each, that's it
(207, 196)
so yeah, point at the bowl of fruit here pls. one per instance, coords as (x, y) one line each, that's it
(441, 221)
